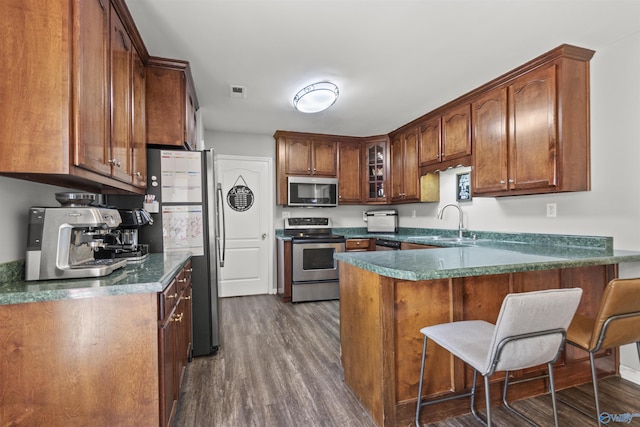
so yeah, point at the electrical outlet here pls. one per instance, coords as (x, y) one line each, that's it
(413, 213)
(552, 210)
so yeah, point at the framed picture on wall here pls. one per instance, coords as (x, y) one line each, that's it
(463, 187)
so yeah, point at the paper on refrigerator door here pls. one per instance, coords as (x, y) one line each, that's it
(181, 176)
(182, 229)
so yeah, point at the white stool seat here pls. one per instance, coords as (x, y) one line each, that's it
(530, 331)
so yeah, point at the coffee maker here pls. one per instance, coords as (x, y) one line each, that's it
(62, 241)
(123, 241)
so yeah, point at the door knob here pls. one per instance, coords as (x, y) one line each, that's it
(264, 236)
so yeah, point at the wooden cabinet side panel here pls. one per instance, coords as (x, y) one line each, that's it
(574, 153)
(35, 84)
(361, 336)
(284, 269)
(420, 304)
(91, 361)
(165, 106)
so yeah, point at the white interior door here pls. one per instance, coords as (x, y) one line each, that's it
(247, 199)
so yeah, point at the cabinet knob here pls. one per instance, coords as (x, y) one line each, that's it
(511, 181)
(138, 174)
(114, 162)
(502, 181)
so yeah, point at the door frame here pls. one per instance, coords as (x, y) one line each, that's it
(269, 199)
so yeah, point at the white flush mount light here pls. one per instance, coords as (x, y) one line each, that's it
(316, 97)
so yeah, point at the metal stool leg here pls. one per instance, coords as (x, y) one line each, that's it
(419, 401)
(595, 386)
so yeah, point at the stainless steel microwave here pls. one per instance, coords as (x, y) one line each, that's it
(310, 191)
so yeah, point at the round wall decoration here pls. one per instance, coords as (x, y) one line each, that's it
(240, 197)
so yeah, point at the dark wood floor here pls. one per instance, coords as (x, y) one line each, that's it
(279, 365)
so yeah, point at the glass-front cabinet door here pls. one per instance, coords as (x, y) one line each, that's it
(376, 155)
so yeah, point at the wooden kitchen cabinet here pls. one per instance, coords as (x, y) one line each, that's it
(445, 138)
(376, 163)
(121, 59)
(172, 104)
(284, 272)
(304, 154)
(174, 341)
(350, 172)
(358, 245)
(310, 157)
(405, 185)
(138, 122)
(68, 43)
(531, 133)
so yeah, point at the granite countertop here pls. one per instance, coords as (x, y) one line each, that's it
(151, 275)
(490, 253)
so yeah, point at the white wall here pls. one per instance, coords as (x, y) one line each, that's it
(16, 197)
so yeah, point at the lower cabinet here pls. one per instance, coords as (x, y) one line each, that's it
(174, 341)
(103, 360)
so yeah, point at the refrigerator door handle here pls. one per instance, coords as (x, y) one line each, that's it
(222, 232)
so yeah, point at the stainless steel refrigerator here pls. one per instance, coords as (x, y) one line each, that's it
(184, 186)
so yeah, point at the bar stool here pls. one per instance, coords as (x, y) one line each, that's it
(617, 323)
(530, 331)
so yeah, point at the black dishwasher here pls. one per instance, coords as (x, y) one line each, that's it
(387, 245)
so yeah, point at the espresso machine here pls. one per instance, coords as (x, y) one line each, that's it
(123, 241)
(62, 241)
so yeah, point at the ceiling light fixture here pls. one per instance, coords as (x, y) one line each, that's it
(316, 97)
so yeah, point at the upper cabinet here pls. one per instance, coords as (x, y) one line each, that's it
(350, 172)
(310, 157)
(405, 185)
(525, 132)
(531, 133)
(171, 104)
(80, 93)
(302, 154)
(445, 138)
(376, 169)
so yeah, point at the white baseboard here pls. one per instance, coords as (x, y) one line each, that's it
(630, 374)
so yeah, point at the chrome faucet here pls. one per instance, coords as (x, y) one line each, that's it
(460, 227)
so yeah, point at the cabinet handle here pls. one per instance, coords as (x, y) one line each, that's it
(187, 298)
(138, 174)
(182, 280)
(188, 270)
(177, 317)
(172, 296)
(511, 181)
(114, 162)
(502, 181)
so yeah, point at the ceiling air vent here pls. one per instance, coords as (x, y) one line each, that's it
(238, 91)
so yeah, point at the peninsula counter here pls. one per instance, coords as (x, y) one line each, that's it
(386, 297)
